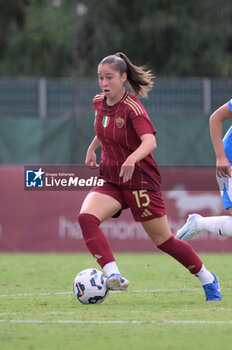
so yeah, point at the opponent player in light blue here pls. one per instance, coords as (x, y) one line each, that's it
(220, 225)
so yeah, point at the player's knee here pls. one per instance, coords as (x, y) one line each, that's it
(89, 225)
(82, 218)
(86, 219)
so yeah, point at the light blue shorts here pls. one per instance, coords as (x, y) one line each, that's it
(225, 186)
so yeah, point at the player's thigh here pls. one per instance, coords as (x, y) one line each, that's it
(100, 205)
(157, 229)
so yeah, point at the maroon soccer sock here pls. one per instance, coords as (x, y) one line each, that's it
(182, 252)
(95, 239)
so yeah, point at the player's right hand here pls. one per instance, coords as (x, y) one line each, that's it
(223, 167)
(91, 160)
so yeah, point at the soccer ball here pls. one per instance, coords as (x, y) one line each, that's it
(89, 286)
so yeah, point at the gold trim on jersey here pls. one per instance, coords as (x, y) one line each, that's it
(98, 97)
(134, 105)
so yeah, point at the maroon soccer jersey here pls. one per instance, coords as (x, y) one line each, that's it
(119, 128)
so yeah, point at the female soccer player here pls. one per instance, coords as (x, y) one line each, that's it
(132, 179)
(220, 225)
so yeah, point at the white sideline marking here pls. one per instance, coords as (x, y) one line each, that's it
(129, 291)
(74, 312)
(121, 322)
(33, 294)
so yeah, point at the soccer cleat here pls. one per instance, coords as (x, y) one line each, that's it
(117, 282)
(212, 290)
(189, 230)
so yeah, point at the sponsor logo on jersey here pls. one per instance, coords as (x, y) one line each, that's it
(146, 213)
(119, 122)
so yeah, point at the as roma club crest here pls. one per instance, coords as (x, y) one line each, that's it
(119, 122)
(105, 121)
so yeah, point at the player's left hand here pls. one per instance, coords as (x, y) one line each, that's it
(127, 170)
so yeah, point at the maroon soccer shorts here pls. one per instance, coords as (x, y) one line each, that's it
(144, 204)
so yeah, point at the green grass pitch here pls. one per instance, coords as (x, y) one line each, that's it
(164, 308)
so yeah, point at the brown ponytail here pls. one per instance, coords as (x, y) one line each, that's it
(139, 79)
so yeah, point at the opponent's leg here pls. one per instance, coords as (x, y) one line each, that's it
(220, 225)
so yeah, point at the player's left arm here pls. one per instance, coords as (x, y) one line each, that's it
(147, 145)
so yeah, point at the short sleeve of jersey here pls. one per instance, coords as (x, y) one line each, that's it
(230, 104)
(142, 124)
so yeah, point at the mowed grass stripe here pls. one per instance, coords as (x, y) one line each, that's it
(121, 322)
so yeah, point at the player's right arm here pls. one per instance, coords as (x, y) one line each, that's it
(91, 159)
(223, 167)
